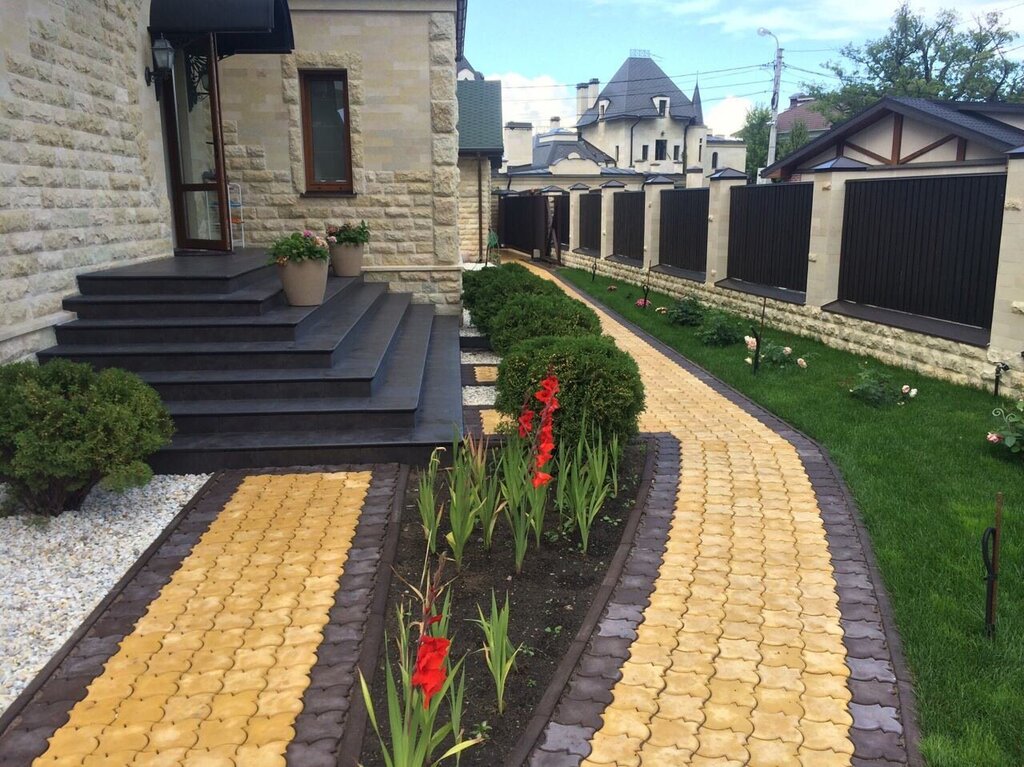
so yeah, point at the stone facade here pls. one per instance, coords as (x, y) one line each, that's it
(82, 182)
(473, 228)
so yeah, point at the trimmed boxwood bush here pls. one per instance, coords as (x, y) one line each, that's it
(65, 427)
(600, 384)
(486, 292)
(531, 316)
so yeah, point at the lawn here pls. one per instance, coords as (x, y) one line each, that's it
(925, 480)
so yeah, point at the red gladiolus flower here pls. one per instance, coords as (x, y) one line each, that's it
(430, 673)
(525, 423)
(540, 478)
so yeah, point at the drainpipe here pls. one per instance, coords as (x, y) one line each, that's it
(479, 209)
(631, 127)
(686, 165)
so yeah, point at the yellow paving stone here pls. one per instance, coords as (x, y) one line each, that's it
(773, 753)
(722, 744)
(491, 420)
(485, 373)
(617, 750)
(811, 758)
(619, 720)
(672, 733)
(727, 716)
(191, 684)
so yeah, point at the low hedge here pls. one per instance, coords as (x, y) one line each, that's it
(600, 384)
(65, 427)
(531, 315)
(486, 292)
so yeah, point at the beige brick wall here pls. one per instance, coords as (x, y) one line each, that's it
(81, 165)
(401, 76)
(932, 356)
(470, 247)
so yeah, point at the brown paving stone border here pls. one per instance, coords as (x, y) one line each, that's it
(45, 704)
(885, 731)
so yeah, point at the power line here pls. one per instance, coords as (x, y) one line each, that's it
(651, 94)
(700, 73)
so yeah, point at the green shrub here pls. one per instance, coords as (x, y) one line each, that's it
(600, 384)
(1010, 429)
(720, 329)
(877, 389)
(487, 291)
(531, 316)
(687, 311)
(64, 427)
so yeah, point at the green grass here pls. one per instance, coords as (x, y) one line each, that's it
(925, 480)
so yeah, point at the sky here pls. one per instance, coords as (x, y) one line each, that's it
(540, 49)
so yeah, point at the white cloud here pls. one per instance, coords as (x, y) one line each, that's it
(728, 115)
(535, 99)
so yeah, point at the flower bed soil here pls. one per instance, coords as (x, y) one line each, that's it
(548, 603)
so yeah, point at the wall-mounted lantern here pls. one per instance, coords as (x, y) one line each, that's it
(163, 63)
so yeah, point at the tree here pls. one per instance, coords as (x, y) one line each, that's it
(796, 138)
(943, 59)
(755, 133)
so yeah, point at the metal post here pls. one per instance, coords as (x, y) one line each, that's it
(990, 557)
(773, 131)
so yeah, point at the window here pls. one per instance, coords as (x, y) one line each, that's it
(616, 154)
(700, 151)
(662, 106)
(714, 159)
(326, 138)
(643, 152)
(675, 153)
(660, 149)
(602, 108)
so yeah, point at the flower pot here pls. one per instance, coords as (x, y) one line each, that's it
(347, 259)
(305, 282)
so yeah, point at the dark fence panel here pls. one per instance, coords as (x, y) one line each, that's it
(524, 222)
(926, 246)
(628, 237)
(590, 222)
(562, 219)
(770, 234)
(684, 229)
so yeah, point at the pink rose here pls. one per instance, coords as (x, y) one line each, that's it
(994, 438)
(905, 389)
(787, 350)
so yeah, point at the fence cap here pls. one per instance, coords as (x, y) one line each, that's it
(659, 180)
(695, 169)
(840, 163)
(579, 186)
(613, 184)
(1016, 154)
(552, 189)
(726, 174)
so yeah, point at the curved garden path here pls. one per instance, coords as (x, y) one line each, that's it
(739, 657)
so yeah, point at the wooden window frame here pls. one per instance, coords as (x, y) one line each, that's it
(312, 185)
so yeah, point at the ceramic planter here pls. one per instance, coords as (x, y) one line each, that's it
(305, 282)
(347, 259)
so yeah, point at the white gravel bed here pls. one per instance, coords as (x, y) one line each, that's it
(54, 571)
(478, 395)
(480, 358)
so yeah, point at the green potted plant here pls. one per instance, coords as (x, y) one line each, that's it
(346, 243)
(301, 259)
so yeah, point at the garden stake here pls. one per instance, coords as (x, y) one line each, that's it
(990, 556)
(758, 335)
(593, 271)
(1001, 367)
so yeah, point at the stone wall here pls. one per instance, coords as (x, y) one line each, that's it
(473, 231)
(81, 165)
(401, 79)
(932, 356)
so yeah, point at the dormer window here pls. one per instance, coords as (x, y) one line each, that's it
(662, 107)
(602, 107)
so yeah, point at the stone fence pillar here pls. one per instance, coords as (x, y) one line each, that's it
(608, 191)
(1007, 340)
(652, 219)
(721, 185)
(574, 214)
(823, 257)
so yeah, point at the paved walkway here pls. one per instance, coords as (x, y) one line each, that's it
(739, 658)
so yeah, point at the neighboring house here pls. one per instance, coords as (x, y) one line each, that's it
(801, 110)
(645, 122)
(284, 118)
(903, 133)
(464, 70)
(480, 152)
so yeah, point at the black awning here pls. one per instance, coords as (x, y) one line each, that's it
(240, 26)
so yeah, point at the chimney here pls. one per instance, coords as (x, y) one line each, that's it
(581, 99)
(592, 92)
(556, 123)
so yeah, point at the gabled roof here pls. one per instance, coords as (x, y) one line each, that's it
(480, 117)
(970, 120)
(546, 154)
(804, 113)
(631, 91)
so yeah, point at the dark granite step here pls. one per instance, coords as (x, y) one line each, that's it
(252, 301)
(195, 274)
(284, 323)
(438, 418)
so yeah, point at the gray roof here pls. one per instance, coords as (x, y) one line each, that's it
(463, 64)
(548, 153)
(631, 91)
(969, 116)
(480, 116)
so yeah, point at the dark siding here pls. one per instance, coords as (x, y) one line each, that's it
(523, 222)
(770, 234)
(684, 229)
(590, 221)
(562, 219)
(926, 246)
(628, 237)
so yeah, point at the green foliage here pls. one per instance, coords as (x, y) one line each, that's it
(600, 384)
(299, 246)
(755, 133)
(426, 500)
(587, 485)
(876, 388)
(940, 59)
(463, 502)
(64, 427)
(349, 234)
(796, 138)
(687, 311)
(499, 653)
(720, 329)
(1010, 432)
(514, 465)
(775, 355)
(533, 315)
(486, 291)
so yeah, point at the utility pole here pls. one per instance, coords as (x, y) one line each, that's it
(773, 130)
